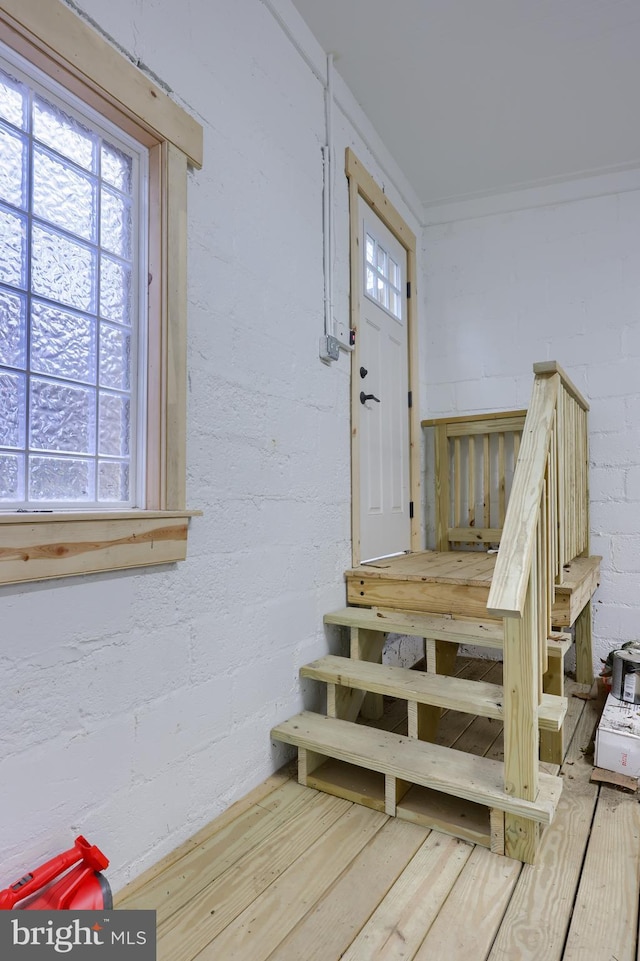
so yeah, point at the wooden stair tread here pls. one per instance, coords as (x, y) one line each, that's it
(559, 644)
(577, 571)
(439, 627)
(450, 693)
(443, 769)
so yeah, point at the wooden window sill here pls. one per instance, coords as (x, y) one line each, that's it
(36, 546)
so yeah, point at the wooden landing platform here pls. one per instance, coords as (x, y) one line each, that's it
(289, 873)
(457, 582)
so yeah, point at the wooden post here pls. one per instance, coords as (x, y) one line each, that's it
(521, 727)
(424, 718)
(367, 646)
(394, 791)
(552, 742)
(308, 762)
(344, 702)
(442, 487)
(584, 653)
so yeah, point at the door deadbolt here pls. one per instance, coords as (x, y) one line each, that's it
(363, 372)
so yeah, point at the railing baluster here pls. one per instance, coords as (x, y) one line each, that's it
(486, 475)
(442, 472)
(501, 481)
(471, 478)
(553, 500)
(457, 492)
(561, 469)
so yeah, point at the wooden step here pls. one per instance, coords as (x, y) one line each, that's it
(439, 627)
(442, 769)
(450, 693)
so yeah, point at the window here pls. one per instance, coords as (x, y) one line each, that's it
(72, 300)
(93, 185)
(383, 277)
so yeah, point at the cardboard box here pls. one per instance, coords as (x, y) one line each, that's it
(618, 738)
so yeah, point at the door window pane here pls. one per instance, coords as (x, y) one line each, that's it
(383, 277)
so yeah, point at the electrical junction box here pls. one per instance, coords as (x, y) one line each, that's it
(618, 738)
(329, 349)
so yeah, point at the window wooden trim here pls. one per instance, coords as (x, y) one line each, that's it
(62, 543)
(66, 47)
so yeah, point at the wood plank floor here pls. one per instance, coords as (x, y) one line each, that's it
(289, 874)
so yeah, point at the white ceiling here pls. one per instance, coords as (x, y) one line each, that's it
(474, 97)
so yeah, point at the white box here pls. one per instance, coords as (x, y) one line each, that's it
(618, 738)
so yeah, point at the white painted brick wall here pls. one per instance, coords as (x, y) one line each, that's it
(137, 706)
(558, 281)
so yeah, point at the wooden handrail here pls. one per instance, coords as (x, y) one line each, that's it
(546, 525)
(554, 439)
(467, 419)
(513, 565)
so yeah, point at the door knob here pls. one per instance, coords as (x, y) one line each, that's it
(365, 397)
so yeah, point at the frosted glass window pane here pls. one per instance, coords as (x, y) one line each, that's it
(12, 409)
(62, 417)
(371, 247)
(396, 309)
(68, 136)
(62, 269)
(116, 167)
(394, 273)
(115, 357)
(115, 291)
(68, 302)
(63, 195)
(13, 332)
(62, 344)
(113, 481)
(61, 479)
(382, 261)
(13, 248)
(115, 424)
(12, 100)
(12, 168)
(11, 477)
(115, 223)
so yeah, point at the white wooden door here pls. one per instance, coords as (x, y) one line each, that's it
(382, 399)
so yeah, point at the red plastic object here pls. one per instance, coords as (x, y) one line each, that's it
(81, 889)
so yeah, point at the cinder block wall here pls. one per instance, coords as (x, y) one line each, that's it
(137, 706)
(555, 280)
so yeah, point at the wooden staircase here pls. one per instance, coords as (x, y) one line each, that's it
(467, 592)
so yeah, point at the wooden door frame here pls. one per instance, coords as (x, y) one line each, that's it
(362, 184)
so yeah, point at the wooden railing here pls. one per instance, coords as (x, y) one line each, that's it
(546, 525)
(475, 457)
